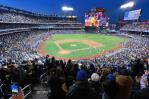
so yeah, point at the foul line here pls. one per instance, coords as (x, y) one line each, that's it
(59, 46)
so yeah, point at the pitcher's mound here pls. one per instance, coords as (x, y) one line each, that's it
(64, 52)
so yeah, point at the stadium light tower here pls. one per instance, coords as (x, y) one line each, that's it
(67, 9)
(127, 5)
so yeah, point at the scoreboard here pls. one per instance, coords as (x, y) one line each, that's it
(96, 17)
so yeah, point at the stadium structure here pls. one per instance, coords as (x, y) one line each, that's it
(18, 21)
(40, 52)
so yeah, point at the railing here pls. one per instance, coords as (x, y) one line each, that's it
(44, 79)
(1, 91)
(23, 91)
(28, 93)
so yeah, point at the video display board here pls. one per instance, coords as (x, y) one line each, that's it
(132, 15)
(95, 17)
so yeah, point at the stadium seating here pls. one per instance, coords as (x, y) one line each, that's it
(136, 27)
(123, 74)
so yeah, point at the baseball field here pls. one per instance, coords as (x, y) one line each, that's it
(79, 46)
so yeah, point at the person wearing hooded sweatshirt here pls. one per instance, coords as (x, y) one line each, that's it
(81, 88)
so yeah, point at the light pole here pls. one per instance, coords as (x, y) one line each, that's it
(126, 6)
(67, 9)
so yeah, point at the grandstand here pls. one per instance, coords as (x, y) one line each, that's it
(14, 20)
(136, 27)
(116, 65)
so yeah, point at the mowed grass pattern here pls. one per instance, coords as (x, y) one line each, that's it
(73, 45)
(108, 42)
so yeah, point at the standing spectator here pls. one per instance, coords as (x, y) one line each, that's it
(95, 83)
(81, 88)
(125, 85)
(111, 89)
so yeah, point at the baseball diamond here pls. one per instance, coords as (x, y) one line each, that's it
(79, 46)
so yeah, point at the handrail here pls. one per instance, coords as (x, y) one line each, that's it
(43, 79)
(26, 86)
(1, 88)
(42, 76)
(28, 93)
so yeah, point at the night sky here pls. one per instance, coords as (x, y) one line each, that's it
(80, 6)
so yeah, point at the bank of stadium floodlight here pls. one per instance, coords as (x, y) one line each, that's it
(127, 5)
(65, 8)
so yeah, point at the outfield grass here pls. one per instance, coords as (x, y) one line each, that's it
(108, 42)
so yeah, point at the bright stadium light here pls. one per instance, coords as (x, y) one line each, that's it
(130, 4)
(123, 6)
(127, 5)
(65, 8)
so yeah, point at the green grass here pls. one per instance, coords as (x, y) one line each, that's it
(108, 43)
(68, 45)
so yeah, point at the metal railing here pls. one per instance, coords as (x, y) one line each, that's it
(44, 79)
(28, 93)
(23, 90)
(1, 91)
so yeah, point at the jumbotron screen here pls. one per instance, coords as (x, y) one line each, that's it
(132, 15)
(95, 18)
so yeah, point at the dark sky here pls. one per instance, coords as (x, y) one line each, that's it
(80, 6)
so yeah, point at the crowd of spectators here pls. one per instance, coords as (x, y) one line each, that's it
(71, 80)
(140, 27)
(16, 18)
(68, 31)
(68, 80)
(134, 47)
(118, 75)
(13, 15)
(21, 46)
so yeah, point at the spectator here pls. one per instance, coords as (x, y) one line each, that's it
(81, 89)
(95, 83)
(125, 85)
(143, 81)
(111, 89)
(55, 83)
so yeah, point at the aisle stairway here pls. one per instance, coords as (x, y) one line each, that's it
(39, 92)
